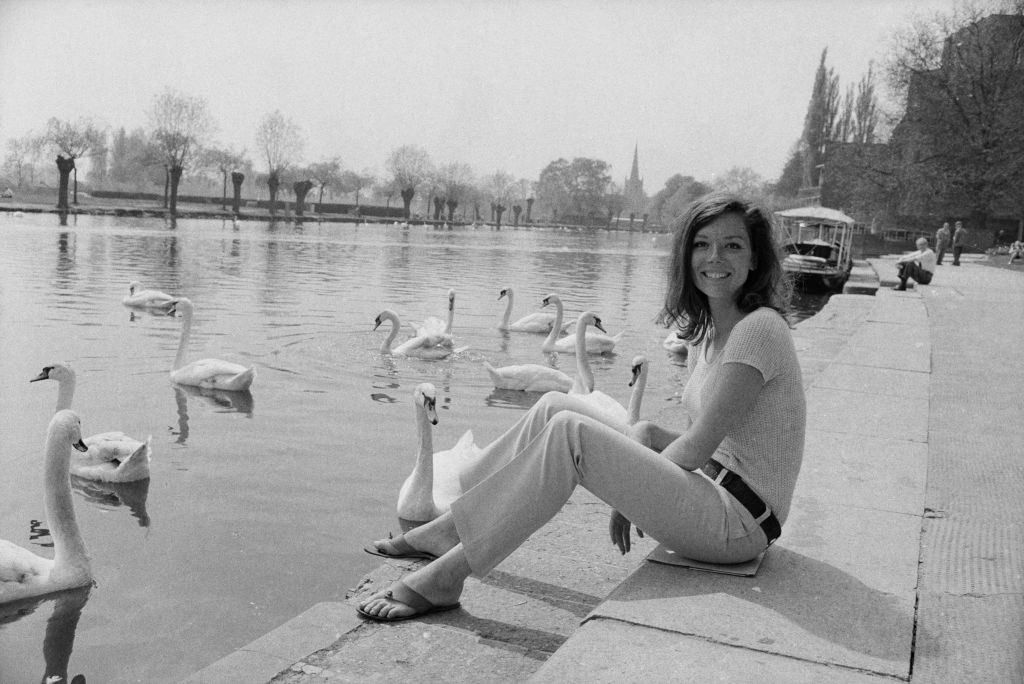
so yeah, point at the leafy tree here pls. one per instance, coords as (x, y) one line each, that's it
(224, 160)
(356, 182)
(820, 121)
(576, 187)
(179, 125)
(72, 141)
(961, 76)
(791, 179)
(327, 175)
(280, 143)
(409, 166)
(678, 193)
(456, 181)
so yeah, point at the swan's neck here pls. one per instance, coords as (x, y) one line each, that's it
(425, 459)
(60, 511)
(556, 327)
(508, 312)
(186, 330)
(385, 346)
(637, 397)
(586, 375)
(451, 317)
(65, 393)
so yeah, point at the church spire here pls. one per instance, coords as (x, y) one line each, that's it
(635, 173)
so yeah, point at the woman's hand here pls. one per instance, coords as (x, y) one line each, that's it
(619, 528)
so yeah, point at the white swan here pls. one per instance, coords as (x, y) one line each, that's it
(596, 343)
(529, 377)
(212, 373)
(436, 331)
(583, 386)
(434, 482)
(420, 347)
(148, 299)
(111, 456)
(536, 322)
(23, 574)
(676, 344)
(638, 382)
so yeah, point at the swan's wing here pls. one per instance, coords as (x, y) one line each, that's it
(123, 459)
(448, 467)
(19, 565)
(530, 377)
(215, 374)
(431, 326)
(537, 322)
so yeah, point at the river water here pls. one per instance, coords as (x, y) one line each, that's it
(259, 504)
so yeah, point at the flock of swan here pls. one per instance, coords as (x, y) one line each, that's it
(428, 491)
(107, 457)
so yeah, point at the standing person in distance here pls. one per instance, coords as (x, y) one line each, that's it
(942, 240)
(959, 242)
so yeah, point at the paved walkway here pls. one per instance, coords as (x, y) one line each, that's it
(902, 558)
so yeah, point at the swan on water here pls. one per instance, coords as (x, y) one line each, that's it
(583, 386)
(596, 343)
(147, 299)
(111, 456)
(420, 346)
(536, 322)
(212, 373)
(434, 482)
(675, 343)
(529, 377)
(23, 574)
(436, 331)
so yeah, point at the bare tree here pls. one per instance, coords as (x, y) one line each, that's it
(456, 180)
(225, 160)
(354, 182)
(409, 166)
(72, 141)
(18, 161)
(326, 175)
(280, 142)
(179, 125)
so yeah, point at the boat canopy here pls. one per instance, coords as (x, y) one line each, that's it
(816, 214)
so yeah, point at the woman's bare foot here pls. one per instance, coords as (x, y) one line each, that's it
(440, 583)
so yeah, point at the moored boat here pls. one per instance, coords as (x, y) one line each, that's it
(817, 243)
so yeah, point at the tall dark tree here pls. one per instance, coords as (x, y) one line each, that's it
(409, 166)
(72, 140)
(180, 125)
(280, 143)
(820, 121)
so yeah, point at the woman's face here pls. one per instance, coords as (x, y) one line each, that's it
(722, 258)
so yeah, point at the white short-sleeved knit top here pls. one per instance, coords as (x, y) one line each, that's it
(767, 447)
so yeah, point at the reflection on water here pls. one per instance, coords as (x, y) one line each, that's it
(222, 401)
(111, 495)
(59, 636)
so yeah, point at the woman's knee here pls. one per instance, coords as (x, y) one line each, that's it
(552, 403)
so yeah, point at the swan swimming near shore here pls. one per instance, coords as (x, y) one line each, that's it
(422, 347)
(434, 482)
(595, 343)
(111, 456)
(23, 574)
(536, 322)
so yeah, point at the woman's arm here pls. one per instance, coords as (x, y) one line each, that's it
(738, 385)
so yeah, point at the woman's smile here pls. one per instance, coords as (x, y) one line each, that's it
(722, 257)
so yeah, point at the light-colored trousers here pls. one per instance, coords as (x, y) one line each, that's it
(525, 476)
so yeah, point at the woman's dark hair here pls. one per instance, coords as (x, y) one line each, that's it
(686, 306)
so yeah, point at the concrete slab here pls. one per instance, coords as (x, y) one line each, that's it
(874, 380)
(845, 469)
(868, 414)
(317, 628)
(611, 652)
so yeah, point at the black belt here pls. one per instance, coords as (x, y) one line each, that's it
(735, 485)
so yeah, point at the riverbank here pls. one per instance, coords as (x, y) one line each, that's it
(927, 585)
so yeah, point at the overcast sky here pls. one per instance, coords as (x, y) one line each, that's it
(699, 86)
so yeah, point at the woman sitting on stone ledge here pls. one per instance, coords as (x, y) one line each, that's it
(718, 491)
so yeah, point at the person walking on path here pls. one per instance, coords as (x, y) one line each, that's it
(719, 491)
(943, 236)
(919, 265)
(959, 242)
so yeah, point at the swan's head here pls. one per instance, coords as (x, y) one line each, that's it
(426, 396)
(55, 371)
(134, 285)
(590, 318)
(637, 367)
(505, 292)
(451, 299)
(385, 315)
(551, 299)
(182, 305)
(67, 424)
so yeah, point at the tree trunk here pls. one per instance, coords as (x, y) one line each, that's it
(438, 207)
(224, 191)
(320, 201)
(272, 183)
(529, 210)
(175, 180)
(452, 204)
(167, 184)
(499, 209)
(75, 172)
(236, 181)
(516, 211)
(302, 189)
(407, 195)
(64, 167)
